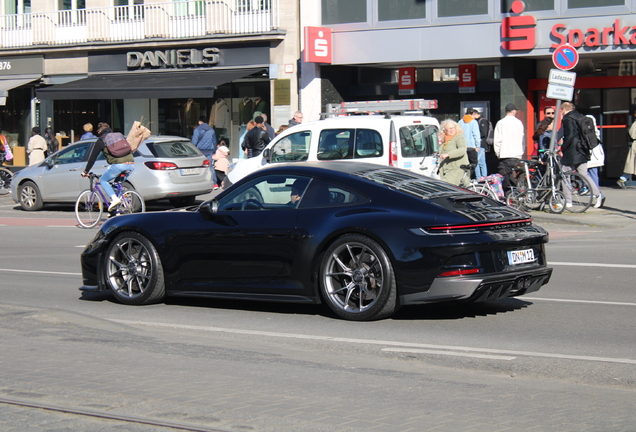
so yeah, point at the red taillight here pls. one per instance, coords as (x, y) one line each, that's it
(393, 156)
(206, 163)
(163, 166)
(507, 224)
(459, 272)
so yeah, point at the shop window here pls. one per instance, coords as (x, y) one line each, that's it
(531, 5)
(575, 4)
(445, 74)
(453, 8)
(389, 10)
(344, 11)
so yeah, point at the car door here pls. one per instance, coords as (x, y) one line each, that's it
(61, 179)
(248, 245)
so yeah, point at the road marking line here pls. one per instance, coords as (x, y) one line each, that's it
(448, 353)
(380, 342)
(592, 265)
(579, 301)
(40, 272)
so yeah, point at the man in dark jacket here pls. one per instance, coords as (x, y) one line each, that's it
(257, 139)
(204, 138)
(117, 165)
(574, 157)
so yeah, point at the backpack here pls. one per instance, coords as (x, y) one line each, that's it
(587, 129)
(117, 145)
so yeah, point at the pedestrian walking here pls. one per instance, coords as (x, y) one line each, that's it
(574, 156)
(297, 119)
(630, 161)
(204, 138)
(257, 139)
(485, 141)
(508, 144)
(88, 131)
(470, 127)
(452, 153)
(221, 162)
(36, 147)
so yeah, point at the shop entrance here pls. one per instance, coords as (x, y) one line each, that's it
(611, 100)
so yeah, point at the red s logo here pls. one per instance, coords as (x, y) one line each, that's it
(518, 32)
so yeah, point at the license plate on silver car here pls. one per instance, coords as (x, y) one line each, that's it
(189, 171)
(521, 256)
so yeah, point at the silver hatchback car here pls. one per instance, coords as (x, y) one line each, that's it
(165, 167)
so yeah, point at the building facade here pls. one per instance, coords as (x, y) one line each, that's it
(483, 53)
(69, 62)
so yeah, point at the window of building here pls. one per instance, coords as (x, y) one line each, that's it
(344, 11)
(453, 8)
(445, 74)
(531, 5)
(252, 5)
(71, 4)
(389, 10)
(17, 7)
(575, 4)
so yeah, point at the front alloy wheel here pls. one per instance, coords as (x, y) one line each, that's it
(357, 279)
(133, 270)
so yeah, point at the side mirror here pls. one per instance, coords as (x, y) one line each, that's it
(267, 154)
(208, 209)
(50, 163)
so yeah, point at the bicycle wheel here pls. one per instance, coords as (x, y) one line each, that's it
(482, 189)
(89, 209)
(5, 181)
(131, 202)
(516, 199)
(557, 202)
(579, 188)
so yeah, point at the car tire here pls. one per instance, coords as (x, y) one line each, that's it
(29, 196)
(133, 271)
(357, 279)
(183, 201)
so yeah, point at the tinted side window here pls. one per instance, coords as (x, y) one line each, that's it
(419, 140)
(271, 192)
(294, 147)
(321, 193)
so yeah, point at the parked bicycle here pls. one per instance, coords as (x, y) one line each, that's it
(555, 188)
(90, 204)
(482, 187)
(6, 177)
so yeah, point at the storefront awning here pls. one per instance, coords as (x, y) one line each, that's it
(9, 84)
(164, 85)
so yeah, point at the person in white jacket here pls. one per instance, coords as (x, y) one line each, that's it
(508, 144)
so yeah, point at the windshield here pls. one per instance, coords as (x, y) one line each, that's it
(173, 149)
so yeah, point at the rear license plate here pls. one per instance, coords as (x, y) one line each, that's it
(190, 171)
(521, 256)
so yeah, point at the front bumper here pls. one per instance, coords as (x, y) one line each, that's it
(478, 289)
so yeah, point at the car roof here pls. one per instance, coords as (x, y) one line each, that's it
(334, 167)
(367, 119)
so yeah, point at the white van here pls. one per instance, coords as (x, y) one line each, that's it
(405, 141)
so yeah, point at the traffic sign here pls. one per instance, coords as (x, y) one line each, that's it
(565, 57)
(562, 77)
(560, 92)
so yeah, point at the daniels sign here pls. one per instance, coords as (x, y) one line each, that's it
(175, 58)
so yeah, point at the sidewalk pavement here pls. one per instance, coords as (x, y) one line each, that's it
(619, 210)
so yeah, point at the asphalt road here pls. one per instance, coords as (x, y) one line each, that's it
(563, 358)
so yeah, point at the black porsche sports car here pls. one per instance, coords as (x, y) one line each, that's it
(363, 238)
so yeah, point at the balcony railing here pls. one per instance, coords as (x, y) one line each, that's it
(174, 20)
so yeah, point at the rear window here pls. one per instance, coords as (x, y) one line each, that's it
(171, 149)
(335, 144)
(405, 181)
(419, 140)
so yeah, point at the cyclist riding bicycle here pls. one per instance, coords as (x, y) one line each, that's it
(117, 165)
